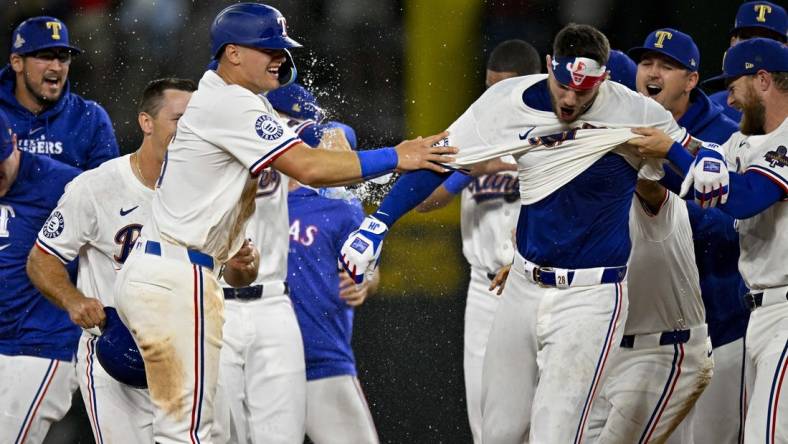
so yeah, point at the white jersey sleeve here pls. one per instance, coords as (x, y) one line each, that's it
(72, 223)
(250, 130)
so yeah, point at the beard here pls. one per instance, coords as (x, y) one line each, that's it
(753, 117)
(41, 99)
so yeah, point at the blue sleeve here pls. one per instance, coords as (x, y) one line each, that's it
(410, 190)
(680, 157)
(750, 194)
(105, 145)
(671, 180)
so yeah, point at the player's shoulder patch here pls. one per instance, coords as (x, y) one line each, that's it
(268, 127)
(54, 225)
(777, 157)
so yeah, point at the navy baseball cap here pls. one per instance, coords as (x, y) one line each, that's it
(672, 43)
(295, 101)
(6, 143)
(39, 33)
(622, 68)
(749, 57)
(764, 15)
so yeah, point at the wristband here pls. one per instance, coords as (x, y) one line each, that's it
(377, 162)
(457, 182)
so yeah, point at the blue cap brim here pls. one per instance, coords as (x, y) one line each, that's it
(74, 50)
(717, 82)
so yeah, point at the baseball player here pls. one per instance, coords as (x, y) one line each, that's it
(324, 301)
(756, 73)
(168, 292)
(37, 340)
(47, 118)
(664, 362)
(565, 299)
(102, 214)
(667, 72)
(754, 19)
(489, 205)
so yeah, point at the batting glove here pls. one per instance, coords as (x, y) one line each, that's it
(361, 251)
(709, 175)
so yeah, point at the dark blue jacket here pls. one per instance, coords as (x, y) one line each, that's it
(721, 98)
(30, 325)
(75, 131)
(716, 242)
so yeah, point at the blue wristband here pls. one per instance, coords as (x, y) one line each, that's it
(457, 182)
(377, 162)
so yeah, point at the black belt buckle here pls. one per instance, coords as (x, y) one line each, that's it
(753, 300)
(536, 274)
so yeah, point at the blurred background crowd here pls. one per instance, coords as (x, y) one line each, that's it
(391, 69)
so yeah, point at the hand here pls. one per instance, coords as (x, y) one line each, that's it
(361, 251)
(423, 152)
(244, 259)
(351, 292)
(709, 174)
(492, 166)
(654, 143)
(499, 281)
(86, 312)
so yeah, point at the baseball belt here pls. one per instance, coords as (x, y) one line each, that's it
(767, 297)
(176, 252)
(565, 278)
(255, 292)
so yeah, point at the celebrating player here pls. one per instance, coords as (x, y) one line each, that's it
(563, 305)
(102, 213)
(324, 299)
(754, 19)
(756, 75)
(489, 215)
(667, 72)
(47, 118)
(37, 340)
(168, 292)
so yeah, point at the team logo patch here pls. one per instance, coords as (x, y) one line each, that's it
(268, 128)
(19, 41)
(359, 245)
(778, 157)
(711, 166)
(54, 225)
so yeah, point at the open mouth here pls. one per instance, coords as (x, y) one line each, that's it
(653, 89)
(273, 70)
(52, 80)
(566, 112)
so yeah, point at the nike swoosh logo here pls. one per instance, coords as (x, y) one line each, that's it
(4, 247)
(125, 212)
(525, 136)
(35, 130)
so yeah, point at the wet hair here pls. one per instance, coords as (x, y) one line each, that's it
(151, 100)
(581, 41)
(780, 80)
(515, 56)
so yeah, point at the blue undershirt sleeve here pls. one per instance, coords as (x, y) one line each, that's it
(410, 190)
(751, 193)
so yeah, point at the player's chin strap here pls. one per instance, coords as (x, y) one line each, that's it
(579, 73)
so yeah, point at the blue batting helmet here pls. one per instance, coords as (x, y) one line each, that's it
(118, 353)
(258, 26)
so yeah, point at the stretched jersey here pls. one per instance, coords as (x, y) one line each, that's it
(30, 324)
(664, 289)
(102, 213)
(318, 228)
(763, 238)
(73, 130)
(575, 192)
(206, 190)
(488, 215)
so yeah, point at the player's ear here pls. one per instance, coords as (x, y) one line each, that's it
(17, 63)
(145, 121)
(692, 81)
(549, 62)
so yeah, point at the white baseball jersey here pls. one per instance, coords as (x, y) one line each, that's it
(226, 134)
(764, 237)
(102, 213)
(488, 215)
(664, 288)
(549, 152)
